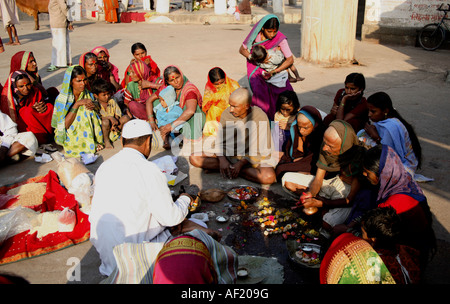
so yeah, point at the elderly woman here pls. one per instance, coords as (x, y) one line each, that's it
(266, 33)
(303, 146)
(89, 61)
(78, 128)
(103, 60)
(27, 107)
(190, 100)
(26, 61)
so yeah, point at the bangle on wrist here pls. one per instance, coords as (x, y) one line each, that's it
(73, 110)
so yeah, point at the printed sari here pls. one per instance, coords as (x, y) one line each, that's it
(265, 94)
(85, 133)
(192, 129)
(22, 112)
(134, 96)
(215, 100)
(351, 260)
(195, 258)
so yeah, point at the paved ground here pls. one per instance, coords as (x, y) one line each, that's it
(415, 79)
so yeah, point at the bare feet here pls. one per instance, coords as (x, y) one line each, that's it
(300, 78)
(292, 79)
(100, 147)
(108, 145)
(2, 49)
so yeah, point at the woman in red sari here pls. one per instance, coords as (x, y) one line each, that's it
(103, 59)
(27, 107)
(26, 61)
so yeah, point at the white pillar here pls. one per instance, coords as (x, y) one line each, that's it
(163, 6)
(220, 7)
(328, 30)
(278, 7)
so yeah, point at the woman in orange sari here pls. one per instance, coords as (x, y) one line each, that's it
(27, 107)
(111, 7)
(215, 98)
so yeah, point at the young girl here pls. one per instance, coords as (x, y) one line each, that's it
(389, 128)
(271, 59)
(167, 111)
(287, 108)
(349, 103)
(109, 111)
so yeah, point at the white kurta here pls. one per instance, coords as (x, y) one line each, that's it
(132, 203)
(10, 14)
(9, 135)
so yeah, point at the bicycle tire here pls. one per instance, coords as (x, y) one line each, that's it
(431, 36)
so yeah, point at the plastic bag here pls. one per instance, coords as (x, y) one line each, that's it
(82, 188)
(167, 164)
(17, 220)
(66, 220)
(5, 198)
(70, 168)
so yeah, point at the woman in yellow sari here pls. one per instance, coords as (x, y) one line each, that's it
(217, 92)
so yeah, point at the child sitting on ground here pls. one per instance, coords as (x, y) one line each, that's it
(167, 111)
(271, 59)
(287, 109)
(109, 111)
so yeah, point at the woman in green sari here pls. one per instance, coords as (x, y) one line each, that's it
(190, 100)
(78, 127)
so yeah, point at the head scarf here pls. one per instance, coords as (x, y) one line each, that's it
(349, 139)
(142, 71)
(8, 103)
(19, 61)
(312, 114)
(268, 44)
(99, 49)
(169, 96)
(394, 179)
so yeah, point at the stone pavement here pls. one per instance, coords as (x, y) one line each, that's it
(415, 79)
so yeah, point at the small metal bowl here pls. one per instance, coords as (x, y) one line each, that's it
(242, 272)
(222, 218)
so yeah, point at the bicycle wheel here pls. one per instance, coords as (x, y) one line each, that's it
(431, 36)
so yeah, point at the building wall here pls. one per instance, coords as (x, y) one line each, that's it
(397, 21)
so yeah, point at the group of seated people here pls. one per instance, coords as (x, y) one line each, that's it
(359, 157)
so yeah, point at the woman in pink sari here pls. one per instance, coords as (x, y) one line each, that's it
(266, 33)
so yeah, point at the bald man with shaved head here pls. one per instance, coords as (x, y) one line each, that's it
(244, 143)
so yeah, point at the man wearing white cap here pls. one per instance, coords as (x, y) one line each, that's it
(132, 202)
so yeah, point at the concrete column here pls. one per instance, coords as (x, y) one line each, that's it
(220, 7)
(328, 30)
(278, 7)
(162, 6)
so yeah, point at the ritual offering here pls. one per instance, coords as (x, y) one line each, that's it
(243, 193)
(195, 204)
(304, 254)
(222, 218)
